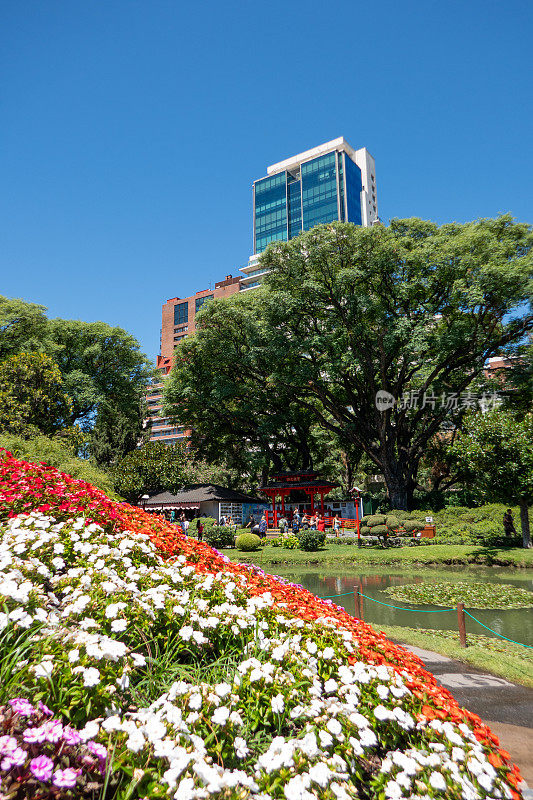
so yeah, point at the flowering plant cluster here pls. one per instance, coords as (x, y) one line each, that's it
(41, 757)
(201, 678)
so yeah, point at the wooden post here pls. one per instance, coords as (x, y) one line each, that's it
(356, 601)
(462, 625)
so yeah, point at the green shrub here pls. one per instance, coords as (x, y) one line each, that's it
(311, 540)
(392, 522)
(219, 536)
(413, 525)
(365, 530)
(375, 519)
(379, 530)
(400, 514)
(248, 542)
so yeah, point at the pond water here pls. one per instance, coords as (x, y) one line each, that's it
(515, 624)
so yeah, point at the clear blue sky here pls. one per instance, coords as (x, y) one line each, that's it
(132, 130)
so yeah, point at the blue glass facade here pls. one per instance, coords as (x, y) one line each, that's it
(354, 187)
(270, 201)
(324, 189)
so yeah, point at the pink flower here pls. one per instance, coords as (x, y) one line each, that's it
(44, 709)
(53, 730)
(71, 736)
(66, 778)
(22, 706)
(42, 768)
(32, 735)
(15, 759)
(7, 745)
(98, 749)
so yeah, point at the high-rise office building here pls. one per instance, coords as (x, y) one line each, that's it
(331, 182)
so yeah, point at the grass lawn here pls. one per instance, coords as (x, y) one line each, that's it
(423, 554)
(494, 655)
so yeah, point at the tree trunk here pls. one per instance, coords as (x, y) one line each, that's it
(524, 521)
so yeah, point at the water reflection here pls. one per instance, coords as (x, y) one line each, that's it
(515, 624)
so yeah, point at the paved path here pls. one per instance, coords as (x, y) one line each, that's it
(506, 707)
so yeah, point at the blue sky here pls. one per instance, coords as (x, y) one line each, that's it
(132, 131)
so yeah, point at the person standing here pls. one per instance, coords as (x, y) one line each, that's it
(321, 524)
(336, 524)
(263, 527)
(508, 523)
(200, 529)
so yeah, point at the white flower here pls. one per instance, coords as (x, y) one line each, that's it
(90, 731)
(382, 713)
(91, 676)
(186, 632)
(220, 715)
(241, 749)
(119, 625)
(222, 689)
(195, 701)
(278, 704)
(321, 774)
(331, 686)
(73, 656)
(44, 669)
(311, 647)
(112, 723)
(437, 781)
(334, 726)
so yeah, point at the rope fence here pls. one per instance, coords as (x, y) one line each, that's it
(461, 612)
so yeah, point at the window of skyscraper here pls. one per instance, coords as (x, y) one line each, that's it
(319, 191)
(201, 300)
(181, 313)
(270, 210)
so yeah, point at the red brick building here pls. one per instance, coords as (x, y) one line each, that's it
(178, 322)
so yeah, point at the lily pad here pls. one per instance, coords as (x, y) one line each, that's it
(473, 595)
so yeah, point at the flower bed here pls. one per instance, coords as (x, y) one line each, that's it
(195, 677)
(473, 595)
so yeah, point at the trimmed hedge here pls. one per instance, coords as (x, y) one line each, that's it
(248, 542)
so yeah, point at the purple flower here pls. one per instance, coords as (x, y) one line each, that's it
(66, 778)
(42, 767)
(45, 710)
(22, 706)
(7, 745)
(98, 749)
(16, 758)
(53, 730)
(32, 735)
(71, 736)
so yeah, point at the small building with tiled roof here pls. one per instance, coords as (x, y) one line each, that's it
(208, 500)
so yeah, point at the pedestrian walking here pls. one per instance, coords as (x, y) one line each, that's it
(200, 529)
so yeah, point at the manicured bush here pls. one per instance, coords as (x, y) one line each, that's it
(248, 542)
(375, 519)
(392, 522)
(311, 540)
(365, 530)
(219, 536)
(379, 530)
(413, 525)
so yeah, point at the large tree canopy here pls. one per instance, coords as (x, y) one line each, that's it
(103, 371)
(412, 309)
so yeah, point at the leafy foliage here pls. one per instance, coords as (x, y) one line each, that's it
(495, 453)
(219, 536)
(311, 540)
(58, 454)
(151, 469)
(32, 394)
(347, 311)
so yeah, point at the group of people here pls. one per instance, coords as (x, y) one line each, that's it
(305, 521)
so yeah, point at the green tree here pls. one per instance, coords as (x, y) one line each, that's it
(413, 309)
(158, 467)
(494, 453)
(32, 394)
(220, 387)
(23, 327)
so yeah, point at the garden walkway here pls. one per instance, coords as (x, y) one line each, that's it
(506, 707)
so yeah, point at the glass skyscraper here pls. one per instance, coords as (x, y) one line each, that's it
(311, 189)
(332, 182)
